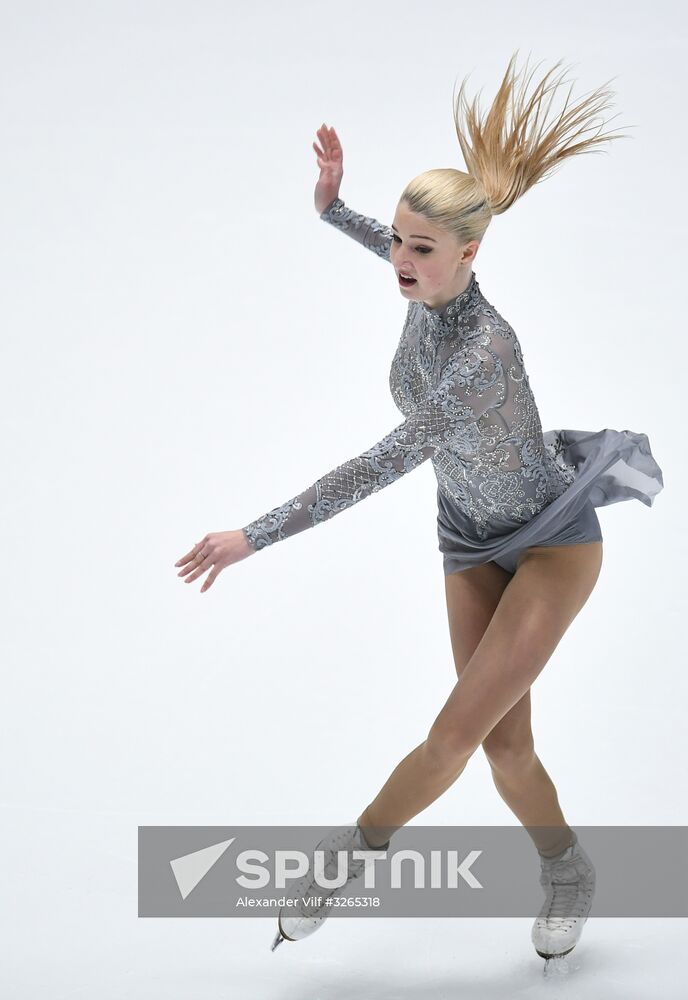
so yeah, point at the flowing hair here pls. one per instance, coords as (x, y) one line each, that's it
(505, 157)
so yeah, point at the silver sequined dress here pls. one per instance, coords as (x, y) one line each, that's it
(503, 484)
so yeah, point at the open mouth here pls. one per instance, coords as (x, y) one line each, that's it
(406, 282)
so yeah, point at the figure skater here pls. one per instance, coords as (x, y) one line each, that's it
(520, 540)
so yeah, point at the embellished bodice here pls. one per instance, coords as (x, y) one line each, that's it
(495, 465)
(458, 378)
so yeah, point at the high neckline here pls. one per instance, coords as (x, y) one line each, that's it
(446, 314)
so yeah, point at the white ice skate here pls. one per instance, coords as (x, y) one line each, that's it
(569, 883)
(311, 909)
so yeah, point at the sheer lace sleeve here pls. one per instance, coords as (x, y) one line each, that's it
(365, 230)
(472, 382)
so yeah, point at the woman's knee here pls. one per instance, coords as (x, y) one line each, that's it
(510, 753)
(449, 748)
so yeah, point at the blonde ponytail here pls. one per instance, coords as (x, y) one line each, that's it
(504, 157)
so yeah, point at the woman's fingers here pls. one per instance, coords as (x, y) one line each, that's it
(211, 577)
(321, 152)
(208, 563)
(198, 570)
(333, 141)
(191, 555)
(195, 567)
(216, 551)
(329, 142)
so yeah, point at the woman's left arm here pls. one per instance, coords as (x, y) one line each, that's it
(473, 381)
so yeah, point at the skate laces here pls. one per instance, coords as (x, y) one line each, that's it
(344, 840)
(570, 886)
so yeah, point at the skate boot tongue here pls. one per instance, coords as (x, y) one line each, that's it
(364, 843)
(309, 900)
(564, 855)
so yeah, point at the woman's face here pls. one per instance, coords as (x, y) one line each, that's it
(441, 267)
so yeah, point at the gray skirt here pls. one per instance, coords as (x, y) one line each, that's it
(609, 466)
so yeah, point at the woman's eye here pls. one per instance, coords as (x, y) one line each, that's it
(421, 249)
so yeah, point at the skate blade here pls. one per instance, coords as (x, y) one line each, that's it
(278, 939)
(558, 954)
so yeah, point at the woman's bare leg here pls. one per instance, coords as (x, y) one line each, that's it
(536, 606)
(517, 771)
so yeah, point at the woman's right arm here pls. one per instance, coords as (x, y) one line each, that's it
(364, 229)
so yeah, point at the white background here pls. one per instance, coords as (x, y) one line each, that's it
(186, 345)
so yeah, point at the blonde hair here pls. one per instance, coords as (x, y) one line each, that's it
(503, 159)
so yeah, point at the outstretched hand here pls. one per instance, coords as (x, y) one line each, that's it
(331, 162)
(218, 549)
